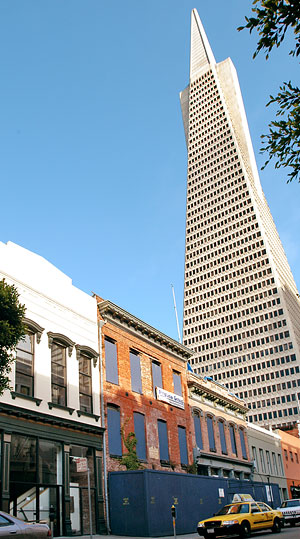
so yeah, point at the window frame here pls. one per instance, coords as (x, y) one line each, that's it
(85, 376)
(18, 366)
(117, 441)
(177, 384)
(111, 363)
(141, 446)
(211, 433)
(233, 439)
(55, 384)
(243, 443)
(183, 449)
(156, 378)
(87, 353)
(135, 372)
(197, 415)
(221, 427)
(162, 429)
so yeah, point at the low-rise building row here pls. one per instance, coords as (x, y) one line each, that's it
(93, 383)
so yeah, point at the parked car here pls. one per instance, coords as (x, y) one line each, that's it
(10, 525)
(241, 518)
(291, 511)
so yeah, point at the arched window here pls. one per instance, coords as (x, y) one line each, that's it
(59, 344)
(211, 434)
(222, 437)
(24, 377)
(85, 356)
(243, 443)
(198, 431)
(232, 439)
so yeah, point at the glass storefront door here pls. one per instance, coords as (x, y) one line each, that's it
(79, 513)
(50, 508)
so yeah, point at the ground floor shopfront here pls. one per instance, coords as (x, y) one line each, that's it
(39, 477)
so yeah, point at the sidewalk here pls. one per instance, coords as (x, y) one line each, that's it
(186, 536)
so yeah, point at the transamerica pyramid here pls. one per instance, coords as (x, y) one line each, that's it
(241, 304)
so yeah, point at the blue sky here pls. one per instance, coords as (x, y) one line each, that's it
(92, 147)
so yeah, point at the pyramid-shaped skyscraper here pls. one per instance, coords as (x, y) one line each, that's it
(241, 304)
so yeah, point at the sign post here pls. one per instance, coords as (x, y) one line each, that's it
(82, 466)
(173, 511)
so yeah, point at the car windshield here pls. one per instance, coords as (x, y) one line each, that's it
(290, 503)
(234, 509)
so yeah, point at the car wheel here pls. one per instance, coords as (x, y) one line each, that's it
(276, 528)
(245, 530)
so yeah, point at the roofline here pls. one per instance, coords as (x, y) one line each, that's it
(193, 381)
(114, 313)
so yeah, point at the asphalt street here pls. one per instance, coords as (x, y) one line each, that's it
(286, 533)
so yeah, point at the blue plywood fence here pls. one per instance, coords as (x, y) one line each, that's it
(140, 501)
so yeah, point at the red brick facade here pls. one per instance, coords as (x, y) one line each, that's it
(131, 334)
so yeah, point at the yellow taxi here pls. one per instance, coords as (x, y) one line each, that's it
(241, 518)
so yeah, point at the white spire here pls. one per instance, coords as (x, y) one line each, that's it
(201, 53)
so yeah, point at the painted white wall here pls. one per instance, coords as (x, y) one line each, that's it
(58, 306)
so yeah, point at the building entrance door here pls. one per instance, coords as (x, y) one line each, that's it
(33, 503)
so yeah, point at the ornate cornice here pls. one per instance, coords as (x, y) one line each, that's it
(115, 314)
(215, 393)
(47, 419)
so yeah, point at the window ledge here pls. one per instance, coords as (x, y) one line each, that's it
(117, 457)
(88, 414)
(60, 407)
(165, 463)
(15, 395)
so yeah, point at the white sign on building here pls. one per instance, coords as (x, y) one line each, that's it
(170, 398)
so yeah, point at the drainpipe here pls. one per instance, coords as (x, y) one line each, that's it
(100, 326)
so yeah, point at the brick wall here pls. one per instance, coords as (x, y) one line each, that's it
(128, 401)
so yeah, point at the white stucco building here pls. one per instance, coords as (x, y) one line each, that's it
(52, 412)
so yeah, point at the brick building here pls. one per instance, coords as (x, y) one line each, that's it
(220, 443)
(144, 390)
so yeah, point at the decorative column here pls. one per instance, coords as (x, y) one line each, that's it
(67, 528)
(6, 470)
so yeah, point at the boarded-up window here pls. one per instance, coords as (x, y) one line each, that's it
(163, 440)
(243, 444)
(156, 375)
(232, 438)
(139, 430)
(135, 370)
(182, 445)
(198, 431)
(111, 362)
(211, 435)
(177, 383)
(114, 431)
(222, 438)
